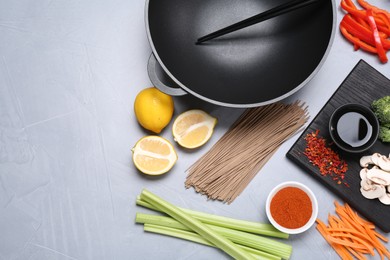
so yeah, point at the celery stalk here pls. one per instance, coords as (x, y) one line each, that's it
(261, 243)
(191, 236)
(267, 245)
(243, 225)
(196, 226)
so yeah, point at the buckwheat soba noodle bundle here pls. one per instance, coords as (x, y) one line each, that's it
(234, 160)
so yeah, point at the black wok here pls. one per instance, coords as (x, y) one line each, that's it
(254, 66)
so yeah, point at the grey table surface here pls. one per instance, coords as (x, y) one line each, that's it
(69, 73)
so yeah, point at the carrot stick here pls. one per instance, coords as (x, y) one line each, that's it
(359, 219)
(362, 221)
(379, 247)
(369, 231)
(352, 236)
(348, 219)
(360, 243)
(358, 255)
(385, 239)
(321, 225)
(342, 252)
(333, 222)
(350, 231)
(345, 242)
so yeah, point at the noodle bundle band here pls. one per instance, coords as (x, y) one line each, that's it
(234, 160)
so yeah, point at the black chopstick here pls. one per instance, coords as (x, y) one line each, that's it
(276, 11)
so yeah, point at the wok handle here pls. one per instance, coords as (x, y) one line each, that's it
(161, 80)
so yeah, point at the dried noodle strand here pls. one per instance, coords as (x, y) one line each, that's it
(234, 160)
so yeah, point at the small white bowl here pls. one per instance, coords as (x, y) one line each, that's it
(314, 204)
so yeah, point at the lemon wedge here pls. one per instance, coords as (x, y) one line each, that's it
(154, 155)
(193, 128)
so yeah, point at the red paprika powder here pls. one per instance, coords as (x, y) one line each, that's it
(291, 207)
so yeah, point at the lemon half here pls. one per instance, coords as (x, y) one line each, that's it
(154, 155)
(193, 128)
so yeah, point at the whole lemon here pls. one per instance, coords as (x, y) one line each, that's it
(153, 109)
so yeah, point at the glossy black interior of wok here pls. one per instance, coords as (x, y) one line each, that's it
(256, 65)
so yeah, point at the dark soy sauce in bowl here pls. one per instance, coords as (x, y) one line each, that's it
(354, 128)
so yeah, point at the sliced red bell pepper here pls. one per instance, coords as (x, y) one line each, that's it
(353, 10)
(357, 32)
(350, 7)
(367, 6)
(368, 29)
(357, 42)
(378, 42)
(385, 27)
(384, 21)
(360, 31)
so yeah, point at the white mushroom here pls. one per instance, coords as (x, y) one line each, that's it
(366, 183)
(372, 191)
(363, 176)
(375, 182)
(384, 163)
(375, 158)
(365, 161)
(385, 198)
(379, 176)
(363, 173)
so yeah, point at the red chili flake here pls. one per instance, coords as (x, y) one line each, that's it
(322, 156)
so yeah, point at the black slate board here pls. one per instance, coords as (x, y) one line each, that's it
(363, 85)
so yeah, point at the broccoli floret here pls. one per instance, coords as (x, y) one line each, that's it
(381, 108)
(384, 134)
